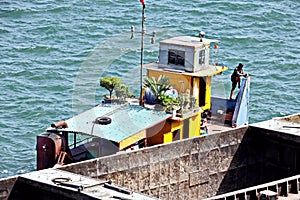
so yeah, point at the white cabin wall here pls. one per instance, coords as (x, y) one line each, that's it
(189, 55)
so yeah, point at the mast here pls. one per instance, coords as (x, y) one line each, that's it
(142, 52)
(143, 32)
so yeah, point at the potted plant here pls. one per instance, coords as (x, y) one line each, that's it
(184, 99)
(110, 83)
(158, 87)
(122, 92)
(171, 104)
(114, 85)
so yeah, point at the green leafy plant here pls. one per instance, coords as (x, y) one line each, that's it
(170, 103)
(122, 91)
(184, 100)
(110, 83)
(158, 87)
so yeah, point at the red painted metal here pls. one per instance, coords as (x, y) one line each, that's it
(48, 149)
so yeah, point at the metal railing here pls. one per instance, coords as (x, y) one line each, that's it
(282, 187)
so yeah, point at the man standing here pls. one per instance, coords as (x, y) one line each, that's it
(236, 77)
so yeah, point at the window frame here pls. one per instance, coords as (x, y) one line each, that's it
(176, 57)
(201, 60)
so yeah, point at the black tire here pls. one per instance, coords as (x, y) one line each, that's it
(103, 120)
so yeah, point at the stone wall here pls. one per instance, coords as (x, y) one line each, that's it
(6, 186)
(187, 169)
(196, 168)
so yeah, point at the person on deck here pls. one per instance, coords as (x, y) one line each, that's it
(236, 77)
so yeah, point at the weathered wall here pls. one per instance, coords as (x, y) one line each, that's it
(263, 156)
(278, 153)
(6, 186)
(197, 168)
(188, 169)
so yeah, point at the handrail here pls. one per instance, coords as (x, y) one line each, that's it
(243, 96)
(258, 188)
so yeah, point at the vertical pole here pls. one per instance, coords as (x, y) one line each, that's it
(142, 54)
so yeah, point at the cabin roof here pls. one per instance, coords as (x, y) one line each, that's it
(210, 71)
(126, 121)
(188, 41)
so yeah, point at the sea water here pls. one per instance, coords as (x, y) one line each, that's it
(53, 53)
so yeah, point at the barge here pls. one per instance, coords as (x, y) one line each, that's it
(186, 65)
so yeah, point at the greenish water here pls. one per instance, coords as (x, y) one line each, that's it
(52, 55)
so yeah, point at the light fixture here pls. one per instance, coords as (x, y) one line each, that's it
(201, 35)
(132, 31)
(143, 32)
(153, 37)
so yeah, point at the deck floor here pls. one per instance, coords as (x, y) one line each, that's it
(215, 125)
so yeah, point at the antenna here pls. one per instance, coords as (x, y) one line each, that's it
(143, 32)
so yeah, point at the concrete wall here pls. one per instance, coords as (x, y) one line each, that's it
(263, 156)
(202, 167)
(197, 168)
(6, 186)
(278, 153)
(188, 169)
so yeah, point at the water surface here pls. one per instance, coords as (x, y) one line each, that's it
(53, 54)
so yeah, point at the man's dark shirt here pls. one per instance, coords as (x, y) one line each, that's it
(237, 72)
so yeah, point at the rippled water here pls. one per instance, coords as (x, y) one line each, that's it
(52, 55)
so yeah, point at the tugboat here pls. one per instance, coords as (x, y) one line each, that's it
(185, 109)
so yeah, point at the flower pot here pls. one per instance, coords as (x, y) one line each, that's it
(174, 112)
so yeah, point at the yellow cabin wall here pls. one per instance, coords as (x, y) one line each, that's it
(194, 123)
(208, 93)
(165, 132)
(168, 137)
(132, 139)
(196, 90)
(174, 79)
(175, 125)
(191, 84)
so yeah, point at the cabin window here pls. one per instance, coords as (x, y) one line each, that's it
(202, 57)
(176, 57)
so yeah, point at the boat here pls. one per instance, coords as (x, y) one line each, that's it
(187, 65)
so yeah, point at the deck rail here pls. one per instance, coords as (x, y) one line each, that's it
(287, 188)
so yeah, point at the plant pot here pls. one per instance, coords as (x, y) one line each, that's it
(158, 107)
(112, 100)
(174, 112)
